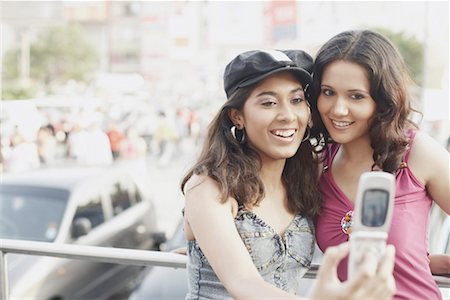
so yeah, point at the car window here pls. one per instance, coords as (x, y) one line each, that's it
(120, 198)
(31, 213)
(92, 210)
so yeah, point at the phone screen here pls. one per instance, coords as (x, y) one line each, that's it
(374, 207)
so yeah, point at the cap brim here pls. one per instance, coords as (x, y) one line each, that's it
(303, 76)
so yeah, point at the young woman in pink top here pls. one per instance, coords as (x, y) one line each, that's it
(363, 110)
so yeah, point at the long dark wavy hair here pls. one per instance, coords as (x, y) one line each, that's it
(236, 166)
(389, 82)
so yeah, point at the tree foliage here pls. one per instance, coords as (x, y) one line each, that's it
(57, 55)
(62, 54)
(411, 49)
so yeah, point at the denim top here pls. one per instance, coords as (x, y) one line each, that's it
(281, 260)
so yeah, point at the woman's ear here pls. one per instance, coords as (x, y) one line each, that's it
(236, 117)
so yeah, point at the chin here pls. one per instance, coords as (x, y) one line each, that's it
(287, 155)
(339, 140)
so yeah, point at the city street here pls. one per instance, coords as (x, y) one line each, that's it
(165, 185)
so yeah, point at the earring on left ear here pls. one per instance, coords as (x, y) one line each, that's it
(238, 132)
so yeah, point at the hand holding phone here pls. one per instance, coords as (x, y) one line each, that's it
(374, 205)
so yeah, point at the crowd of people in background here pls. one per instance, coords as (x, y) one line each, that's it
(103, 137)
(98, 139)
(103, 141)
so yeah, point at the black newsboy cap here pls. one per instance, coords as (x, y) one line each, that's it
(253, 66)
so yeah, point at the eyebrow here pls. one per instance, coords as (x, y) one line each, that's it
(270, 93)
(358, 90)
(352, 90)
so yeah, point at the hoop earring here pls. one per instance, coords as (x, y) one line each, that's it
(235, 133)
(307, 134)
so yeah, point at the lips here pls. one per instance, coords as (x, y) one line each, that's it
(284, 133)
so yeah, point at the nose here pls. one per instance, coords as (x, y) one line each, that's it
(286, 113)
(340, 107)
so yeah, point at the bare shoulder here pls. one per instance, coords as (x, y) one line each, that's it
(424, 148)
(203, 202)
(201, 185)
(195, 181)
(205, 191)
(426, 155)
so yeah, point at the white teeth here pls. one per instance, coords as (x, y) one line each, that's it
(341, 123)
(284, 133)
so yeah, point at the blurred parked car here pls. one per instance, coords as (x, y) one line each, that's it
(85, 206)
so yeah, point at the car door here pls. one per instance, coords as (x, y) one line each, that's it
(133, 215)
(130, 220)
(77, 279)
(108, 230)
(124, 224)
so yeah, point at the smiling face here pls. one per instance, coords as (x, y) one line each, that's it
(275, 116)
(344, 103)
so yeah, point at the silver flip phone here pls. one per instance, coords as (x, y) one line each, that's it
(372, 216)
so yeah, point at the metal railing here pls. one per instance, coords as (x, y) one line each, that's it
(89, 253)
(113, 255)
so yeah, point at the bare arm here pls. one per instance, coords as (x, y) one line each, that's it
(440, 264)
(212, 224)
(430, 163)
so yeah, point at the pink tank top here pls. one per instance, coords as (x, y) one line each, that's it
(408, 232)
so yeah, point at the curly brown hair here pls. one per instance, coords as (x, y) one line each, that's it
(236, 166)
(389, 81)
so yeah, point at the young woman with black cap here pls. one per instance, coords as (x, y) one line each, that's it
(253, 192)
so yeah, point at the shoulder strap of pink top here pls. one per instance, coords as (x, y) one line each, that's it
(411, 134)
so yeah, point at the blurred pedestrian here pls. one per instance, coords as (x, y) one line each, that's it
(98, 148)
(76, 142)
(22, 156)
(90, 147)
(115, 137)
(132, 145)
(166, 137)
(46, 145)
(364, 111)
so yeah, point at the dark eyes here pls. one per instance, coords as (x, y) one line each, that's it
(297, 100)
(355, 96)
(327, 92)
(269, 103)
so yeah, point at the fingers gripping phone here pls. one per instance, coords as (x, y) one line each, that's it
(374, 205)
